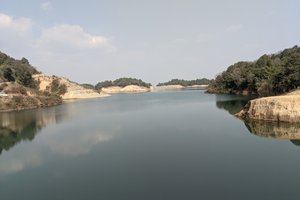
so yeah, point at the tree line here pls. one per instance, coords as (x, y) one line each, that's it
(269, 75)
(121, 82)
(202, 81)
(19, 71)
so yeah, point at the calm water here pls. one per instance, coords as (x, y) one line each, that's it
(152, 146)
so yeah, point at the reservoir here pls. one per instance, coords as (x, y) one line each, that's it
(149, 146)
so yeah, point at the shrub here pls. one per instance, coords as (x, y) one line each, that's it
(58, 88)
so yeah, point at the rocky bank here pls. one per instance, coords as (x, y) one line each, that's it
(285, 108)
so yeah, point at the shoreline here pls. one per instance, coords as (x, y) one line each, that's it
(127, 89)
(86, 96)
(177, 87)
(28, 108)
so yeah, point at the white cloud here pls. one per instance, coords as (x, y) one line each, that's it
(234, 28)
(46, 6)
(79, 145)
(71, 36)
(14, 164)
(20, 25)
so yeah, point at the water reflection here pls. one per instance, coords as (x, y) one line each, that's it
(296, 142)
(77, 135)
(10, 137)
(231, 103)
(276, 130)
(23, 126)
(15, 127)
(76, 143)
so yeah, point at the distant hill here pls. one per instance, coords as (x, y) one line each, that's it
(122, 82)
(186, 83)
(269, 75)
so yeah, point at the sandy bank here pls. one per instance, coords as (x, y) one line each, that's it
(167, 87)
(197, 87)
(127, 89)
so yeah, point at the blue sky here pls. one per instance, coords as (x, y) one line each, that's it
(96, 40)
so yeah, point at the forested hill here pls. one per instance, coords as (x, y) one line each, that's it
(122, 82)
(182, 82)
(19, 71)
(269, 75)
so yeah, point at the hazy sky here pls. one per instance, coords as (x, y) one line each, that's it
(155, 40)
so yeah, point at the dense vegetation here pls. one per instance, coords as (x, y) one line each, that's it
(122, 82)
(57, 88)
(88, 86)
(202, 81)
(17, 81)
(19, 71)
(269, 75)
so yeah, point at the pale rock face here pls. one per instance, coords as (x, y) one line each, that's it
(168, 87)
(74, 90)
(198, 86)
(127, 89)
(278, 108)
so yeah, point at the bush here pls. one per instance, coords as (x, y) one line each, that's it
(58, 88)
(18, 100)
(265, 89)
(16, 89)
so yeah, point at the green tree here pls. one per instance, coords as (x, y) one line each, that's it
(58, 88)
(8, 74)
(270, 74)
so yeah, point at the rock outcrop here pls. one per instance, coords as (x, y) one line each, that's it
(284, 108)
(74, 90)
(126, 89)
